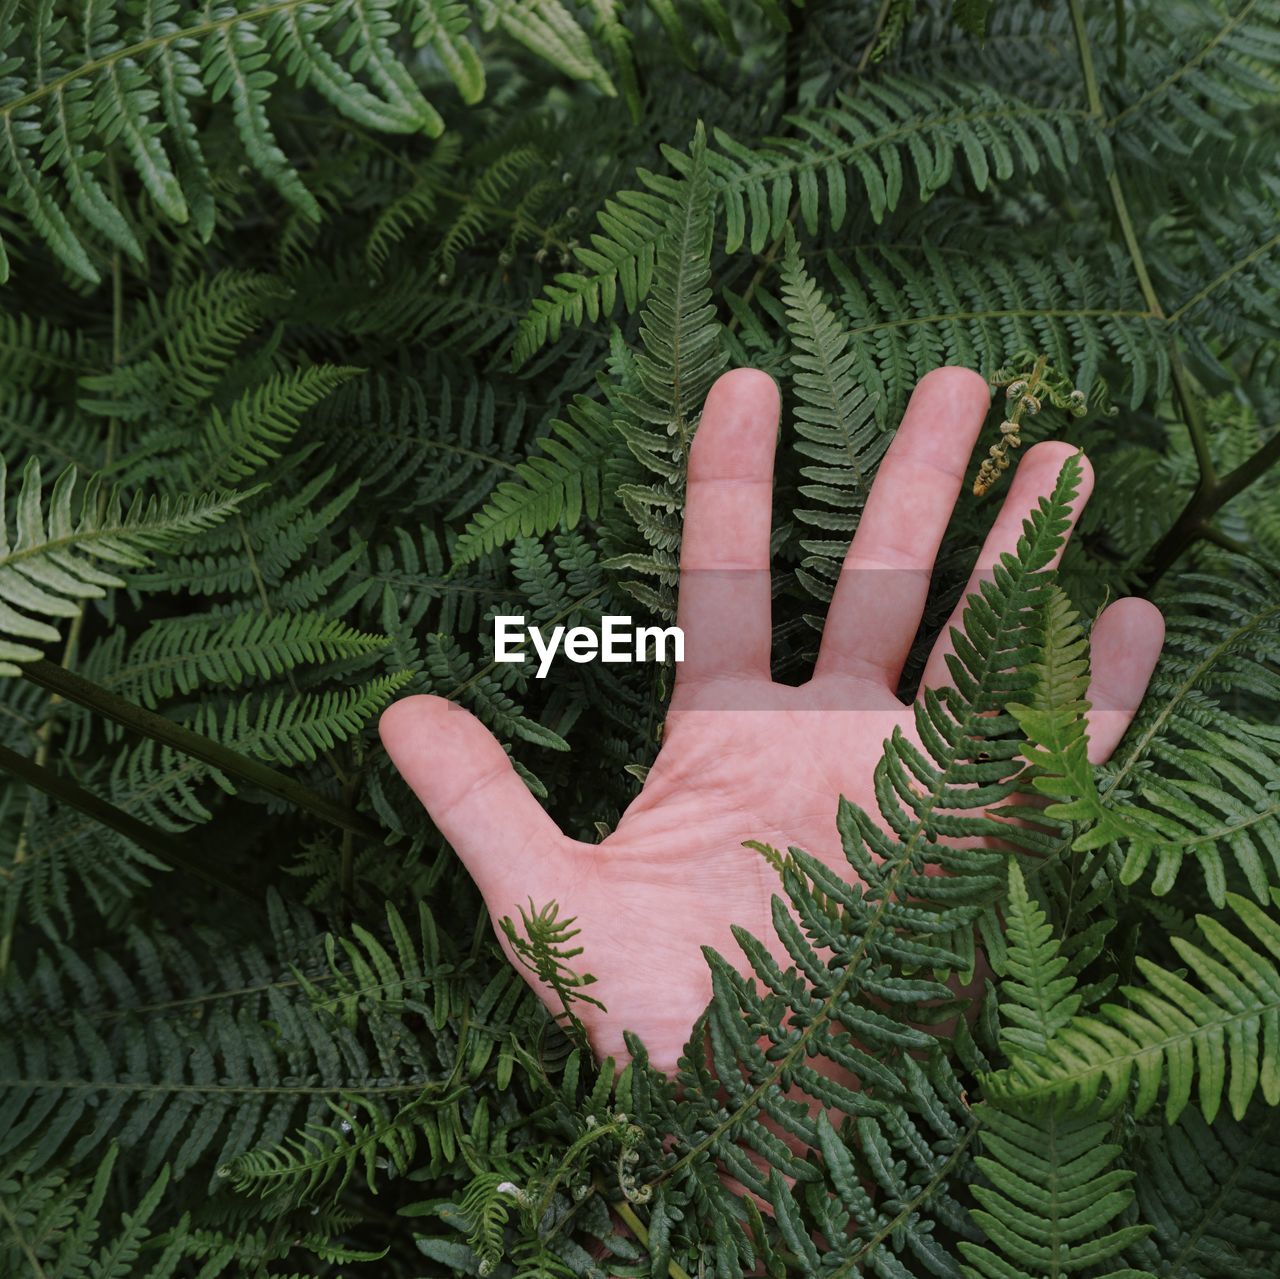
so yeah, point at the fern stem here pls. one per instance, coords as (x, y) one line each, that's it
(1094, 97)
(76, 688)
(159, 843)
(1194, 419)
(1210, 493)
(16, 1232)
(1121, 37)
(1205, 503)
(874, 38)
(641, 1232)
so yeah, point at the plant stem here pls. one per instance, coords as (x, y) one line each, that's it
(159, 843)
(874, 39)
(1211, 492)
(1207, 500)
(76, 688)
(1113, 182)
(638, 1228)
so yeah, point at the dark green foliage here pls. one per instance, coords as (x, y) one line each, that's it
(330, 331)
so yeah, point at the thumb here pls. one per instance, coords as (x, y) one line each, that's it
(466, 782)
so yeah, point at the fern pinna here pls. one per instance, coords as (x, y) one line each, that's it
(328, 332)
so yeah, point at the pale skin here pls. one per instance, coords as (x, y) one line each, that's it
(743, 758)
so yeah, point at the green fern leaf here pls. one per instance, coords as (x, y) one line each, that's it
(442, 24)
(1210, 1192)
(555, 489)
(1051, 1198)
(1036, 997)
(1054, 723)
(549, 30)
(53, 1226)
(235, 66)
(249, 435)
(57, 560)
(1172, 1032)
(293, 33)
(1202, 774)
(835, 424)
(1051, 1202)
(621, 260)
(178, 655)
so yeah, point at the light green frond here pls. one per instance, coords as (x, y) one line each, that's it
(61, 552)
(249, 435)
(1051, 1195)
(1215, 1032)
(179, 655)
(1055, 726)
(666, 383)
(1037, 997)
(555, 488)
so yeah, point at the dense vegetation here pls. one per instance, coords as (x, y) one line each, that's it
(329, 330)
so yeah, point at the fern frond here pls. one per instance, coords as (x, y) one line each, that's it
(1051, 1196)
(1055, 727)
(486, 693)
(1052, 1200)
(682, 354)
(34, 351)
(871, 136)
(1172, 1032)
(555, 488)
(550, 31)
(835, 422)
(249, 435)
(136, 86)
(620, 261)
(908, 312)
(356, 1136)
(450, 434)
(1210, 1193)
(292, 729)
(191, 334)
(1221, 289)
(53, 1226)
(179, 655)
(860, 149)
(189, 1052)
(1201, 66)
(1037, 996)
(56, 560)
(1201, 773)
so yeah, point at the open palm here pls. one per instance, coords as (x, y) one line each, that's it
(742, 757)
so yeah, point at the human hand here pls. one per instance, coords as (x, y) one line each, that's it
(742, 757)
